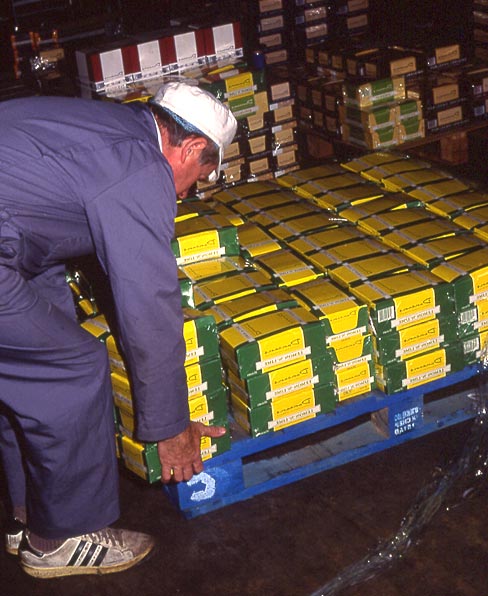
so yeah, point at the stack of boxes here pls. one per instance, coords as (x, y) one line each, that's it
(330, 281)
(475, 84)
(441, 328)
(207, 395)
(265, 145)
(275, 369)
(116, 64)
(304, 376)
(311, 22)
(267, 30)
(378, 115)
(284, 29)
(314, 289)
(440, 92)
(348, 341)
(480, 29)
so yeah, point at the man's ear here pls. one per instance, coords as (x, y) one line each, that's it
(192, 147)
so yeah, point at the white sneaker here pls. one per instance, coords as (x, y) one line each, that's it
(106, 551)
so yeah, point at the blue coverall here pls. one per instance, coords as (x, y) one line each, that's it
(79, 177)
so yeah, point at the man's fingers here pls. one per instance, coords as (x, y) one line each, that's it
(166, 474)
(212, 431)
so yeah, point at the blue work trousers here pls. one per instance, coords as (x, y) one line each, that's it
(56, 419)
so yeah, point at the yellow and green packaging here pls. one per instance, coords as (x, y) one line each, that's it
(251, 305)
(373, 92)
(255, 241)
(248, 207)
(285, 411)
(271, 340)
(370, 118)
(397, 301)
(382, 223)
(272, 217)
(200, 334)
(420, 369)
(389, 202)
(303, 225)
(473, 346)
(204, 377)
(204, 237)
(423, 336)
(340, 312)
(432, 192)
(304, 175)
(316, 241)
(376, 170)
(229, 288)
(405, 181)
(286, 268)
(468, 275)
(349, 274)
(214, 268)
(431, 253)
(460, 205)
(328, 259)
(354, 377)
(236, 194)
(259, 389)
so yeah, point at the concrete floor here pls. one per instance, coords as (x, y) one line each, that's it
(292, 540)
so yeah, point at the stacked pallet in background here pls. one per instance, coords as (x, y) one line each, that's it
(282, 30)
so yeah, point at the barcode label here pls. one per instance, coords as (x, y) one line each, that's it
(386, 314)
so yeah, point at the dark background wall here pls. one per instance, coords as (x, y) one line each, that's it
(398, 22)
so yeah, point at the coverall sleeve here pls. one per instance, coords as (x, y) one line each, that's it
(132, 223)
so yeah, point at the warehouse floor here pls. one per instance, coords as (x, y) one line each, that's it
(294, 539)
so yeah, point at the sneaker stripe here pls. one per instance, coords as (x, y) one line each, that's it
(89, 555)
(101, 556)
(75, 556)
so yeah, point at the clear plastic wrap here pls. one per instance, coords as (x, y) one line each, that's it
(448, 487)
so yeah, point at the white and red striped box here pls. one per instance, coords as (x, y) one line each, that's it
(103, 66)
(169, 53)
(223, 42)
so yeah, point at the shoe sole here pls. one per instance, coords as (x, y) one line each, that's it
(12, 551)
(50, 572)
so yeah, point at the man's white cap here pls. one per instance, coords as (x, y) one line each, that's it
(202, 111)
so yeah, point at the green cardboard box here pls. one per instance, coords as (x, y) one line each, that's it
(423, 336)
(200, 333)
(397, 301)
(259, 389)
(421, 369)
(251, 305)
(205, 237)
(272, 340)
(229, 288)
(468, 274)
(284, 411)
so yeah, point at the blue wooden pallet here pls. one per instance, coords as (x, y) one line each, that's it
(238, 474)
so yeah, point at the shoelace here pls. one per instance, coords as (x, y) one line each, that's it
(109, 536)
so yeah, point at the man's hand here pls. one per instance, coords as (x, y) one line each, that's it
(180, 455)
